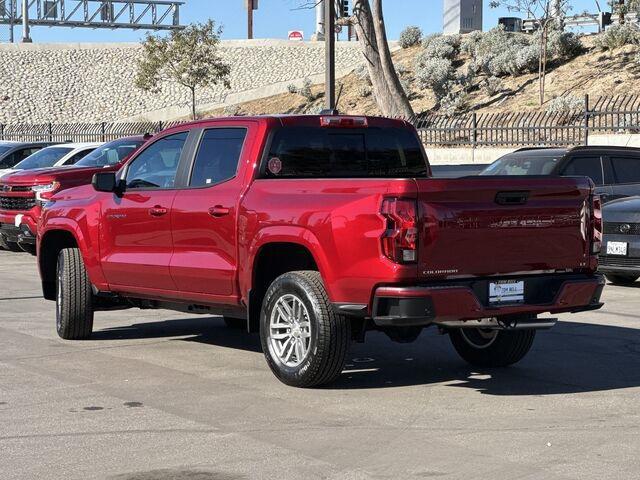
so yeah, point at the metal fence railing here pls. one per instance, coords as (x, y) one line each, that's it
(620, 114)
(513, 129)
(79, 132)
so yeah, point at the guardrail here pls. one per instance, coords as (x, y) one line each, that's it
(620, 114)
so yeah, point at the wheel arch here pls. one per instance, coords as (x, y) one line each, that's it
(273, 257)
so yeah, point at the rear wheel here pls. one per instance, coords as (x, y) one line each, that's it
(74, 297)
(621, 279)
(304, 340)
(492, 348)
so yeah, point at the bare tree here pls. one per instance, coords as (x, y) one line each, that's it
(545, 14)
(368, 20)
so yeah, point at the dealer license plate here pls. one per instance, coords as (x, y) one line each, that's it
(506, 291)
(616, 248)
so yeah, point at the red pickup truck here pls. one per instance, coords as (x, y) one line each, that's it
(315, 229)
(22, 193)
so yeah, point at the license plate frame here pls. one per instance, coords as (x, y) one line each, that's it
(618, 249)
(506, 292)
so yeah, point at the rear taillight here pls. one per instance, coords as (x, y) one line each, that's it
(400, 239)
(596, 224)
(343, 122)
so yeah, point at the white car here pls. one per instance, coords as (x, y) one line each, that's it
(65, 154)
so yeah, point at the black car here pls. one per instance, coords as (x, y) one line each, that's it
(620, 256)
(614, 170)
(11, 153)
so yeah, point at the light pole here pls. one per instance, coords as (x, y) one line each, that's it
(26, 35)
(330, 53)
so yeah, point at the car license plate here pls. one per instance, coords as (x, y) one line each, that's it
(506, 291)
(616, 248)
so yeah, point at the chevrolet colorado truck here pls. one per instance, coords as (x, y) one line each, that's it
(23, 193)
(312, 230)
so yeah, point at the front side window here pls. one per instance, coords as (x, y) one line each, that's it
(627, 169)
(218, 156)
(47, 157)
(585, 167)
(156, 166)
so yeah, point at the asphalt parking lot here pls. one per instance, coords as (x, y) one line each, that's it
(161, 395)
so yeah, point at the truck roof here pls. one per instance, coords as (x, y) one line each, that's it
(291, 120)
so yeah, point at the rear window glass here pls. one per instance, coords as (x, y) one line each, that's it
(627, 169)
(308, 152)
(520, 164)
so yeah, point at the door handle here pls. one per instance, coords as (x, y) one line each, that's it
(219, 211)
(157, 211)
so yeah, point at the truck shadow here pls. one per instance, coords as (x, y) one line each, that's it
(570, 358)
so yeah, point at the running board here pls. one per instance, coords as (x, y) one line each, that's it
(496, 324)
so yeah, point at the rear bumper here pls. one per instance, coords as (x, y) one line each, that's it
(454, 301)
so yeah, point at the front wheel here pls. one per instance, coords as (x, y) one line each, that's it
(74, 297)
(621, 279)
(304, 340)
(492, 348)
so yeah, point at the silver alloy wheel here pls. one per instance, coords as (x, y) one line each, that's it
(479, 337)
(289, 331)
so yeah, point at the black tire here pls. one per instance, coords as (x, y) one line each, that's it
(505, 348)
(329, 333)
(621, 279)
(235, 323)
(74, 297)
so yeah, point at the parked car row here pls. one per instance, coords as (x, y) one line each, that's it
(29, 183)
(313, 230)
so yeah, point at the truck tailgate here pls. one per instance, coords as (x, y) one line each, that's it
(482, 226)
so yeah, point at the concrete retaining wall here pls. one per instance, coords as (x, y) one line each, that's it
(66, 83)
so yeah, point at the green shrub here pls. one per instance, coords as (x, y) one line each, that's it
(436, 74)
(617, 36)
(566, 103)
(410, 36)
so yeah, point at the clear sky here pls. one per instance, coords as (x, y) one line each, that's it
(275, 18)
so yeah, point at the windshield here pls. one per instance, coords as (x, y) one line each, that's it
(523, 165)
(47, 157)
(4, 149)
(111, 153)
(308, 152)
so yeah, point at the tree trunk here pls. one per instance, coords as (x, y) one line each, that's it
(389, 94)
(194, 115)
(543, 80)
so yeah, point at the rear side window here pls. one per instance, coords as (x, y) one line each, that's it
(218, 156)
(585, 167)
(307, 152)
(627, 169)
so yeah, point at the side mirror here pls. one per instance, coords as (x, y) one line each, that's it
(105, 182)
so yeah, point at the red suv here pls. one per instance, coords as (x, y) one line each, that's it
(313, 230)
(23, 193)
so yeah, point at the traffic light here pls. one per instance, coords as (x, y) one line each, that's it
(343, 8)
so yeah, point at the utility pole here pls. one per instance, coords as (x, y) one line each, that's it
(26, 35)
(330, 53)
(250, 8)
